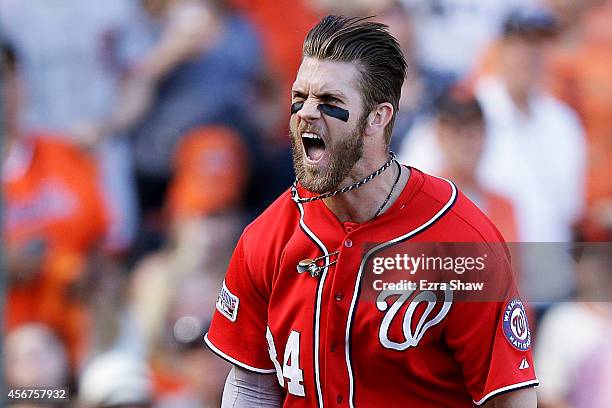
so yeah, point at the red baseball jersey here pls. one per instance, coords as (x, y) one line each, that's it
(334, 340)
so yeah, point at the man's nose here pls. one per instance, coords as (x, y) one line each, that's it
(309, 111)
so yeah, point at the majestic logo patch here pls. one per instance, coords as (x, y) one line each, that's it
(227, 303)
(515, 325)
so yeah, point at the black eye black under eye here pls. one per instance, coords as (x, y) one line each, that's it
(296, 106)
(334, 111)
(327, 109)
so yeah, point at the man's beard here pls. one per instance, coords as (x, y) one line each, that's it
(342, 158)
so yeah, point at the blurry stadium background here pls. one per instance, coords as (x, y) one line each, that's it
(140, 137)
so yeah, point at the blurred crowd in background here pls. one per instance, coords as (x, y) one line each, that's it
(141, 136)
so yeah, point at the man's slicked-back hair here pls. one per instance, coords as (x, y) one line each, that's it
(369, 44)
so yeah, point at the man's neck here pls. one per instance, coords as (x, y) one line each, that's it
(520, 97)
(361, 204)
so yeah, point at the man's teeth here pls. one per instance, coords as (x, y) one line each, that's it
(310, 135)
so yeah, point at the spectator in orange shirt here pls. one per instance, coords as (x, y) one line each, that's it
(581, 78)
(53, 217)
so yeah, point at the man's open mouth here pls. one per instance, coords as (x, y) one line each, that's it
(314, 146)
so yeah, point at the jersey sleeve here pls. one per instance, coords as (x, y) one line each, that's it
(492, 341)
(238, 329)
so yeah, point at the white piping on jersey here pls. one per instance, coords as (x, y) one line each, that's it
(378, 247)
(525, 384)
(234, 361)
(320, 286)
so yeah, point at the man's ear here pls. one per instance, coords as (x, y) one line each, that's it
(379, 118)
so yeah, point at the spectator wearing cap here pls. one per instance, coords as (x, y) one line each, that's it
(452, 144)
(461, 136)
(535, 154)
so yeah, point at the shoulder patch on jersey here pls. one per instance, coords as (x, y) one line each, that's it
(227, 303)
(516, 326)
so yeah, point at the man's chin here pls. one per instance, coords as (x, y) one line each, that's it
(317, 184)
(314, 189)
(315, 179)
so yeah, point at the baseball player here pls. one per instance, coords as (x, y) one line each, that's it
(295, 315)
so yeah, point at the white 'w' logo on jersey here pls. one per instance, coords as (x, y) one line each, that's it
(424, 323)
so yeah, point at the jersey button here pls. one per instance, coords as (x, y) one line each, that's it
(348, 243)
(339, 296)
(332, 348)
(339, 399)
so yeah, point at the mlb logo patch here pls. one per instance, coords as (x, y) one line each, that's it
(227, 303)
(515, 325)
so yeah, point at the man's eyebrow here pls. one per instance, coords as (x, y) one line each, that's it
(335, 93)
(330, 95)
(320, 95)
(298, 93)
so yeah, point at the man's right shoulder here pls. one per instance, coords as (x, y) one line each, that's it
(274, 226)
